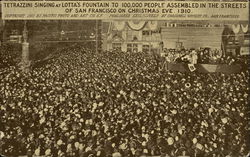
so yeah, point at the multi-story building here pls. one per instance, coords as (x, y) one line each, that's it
(123, 36)
(176, 35)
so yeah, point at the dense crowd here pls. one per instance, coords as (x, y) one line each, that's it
(9, 55)
(203, 56)
(115, 104)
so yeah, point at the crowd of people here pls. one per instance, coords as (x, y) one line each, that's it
(9, 55)
(203, 56)
(111, 104)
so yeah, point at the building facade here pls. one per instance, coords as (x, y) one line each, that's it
(155, 36)
(134, 37)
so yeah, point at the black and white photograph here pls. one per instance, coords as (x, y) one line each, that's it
(155, 79)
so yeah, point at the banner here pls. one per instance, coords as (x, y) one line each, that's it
(136, 25)
(205, 68)
(191, 67)
(236, 28)
(126, 10)
(244, 28)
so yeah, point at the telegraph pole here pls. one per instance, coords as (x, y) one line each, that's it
(98, 36)
(25, 63)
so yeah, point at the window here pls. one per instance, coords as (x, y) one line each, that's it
(156, 31)
(132, 47)
(129, 47)
(145, 34)
(135, 47)
(117, 46)
(145, 48)
(135, 38)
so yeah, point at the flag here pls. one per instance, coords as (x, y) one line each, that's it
(191, 67)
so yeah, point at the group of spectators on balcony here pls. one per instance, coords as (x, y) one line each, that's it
(82, 103)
